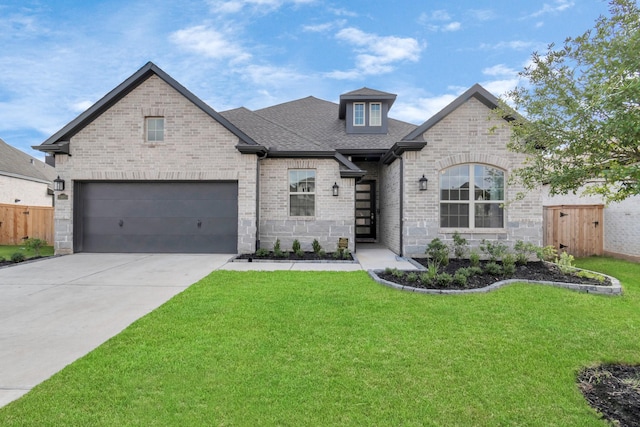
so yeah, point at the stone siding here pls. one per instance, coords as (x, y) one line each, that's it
(464, 136)
(195, 147)
(334, 216)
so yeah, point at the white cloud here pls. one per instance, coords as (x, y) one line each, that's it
(452, 26)
(376, 54)
(235, 6)
(514, 44)
(419, 110)
(342, 12)
(558, 6)
(482, 14)
(499, 70)
(439, 20)
(322, 28)
(81, 106)
(210, 43)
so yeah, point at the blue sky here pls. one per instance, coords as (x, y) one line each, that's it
(59, 57)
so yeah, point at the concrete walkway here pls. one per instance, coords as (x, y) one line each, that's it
(56, 310)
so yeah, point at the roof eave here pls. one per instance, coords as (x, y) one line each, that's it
(400, 148)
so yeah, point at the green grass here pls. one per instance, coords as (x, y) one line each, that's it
(7, 250)
(318, 349)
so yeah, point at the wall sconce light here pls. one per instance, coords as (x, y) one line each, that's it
(58, 184)
(422, 183)
(335, 187)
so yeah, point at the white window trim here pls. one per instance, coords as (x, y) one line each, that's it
(147, 130)
(472, 202)
(371, 116)
(364, 114)
(306, 193)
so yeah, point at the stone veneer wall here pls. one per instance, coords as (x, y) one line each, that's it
(464, 136)
(621, 221)
(195, 147)
(334, 216)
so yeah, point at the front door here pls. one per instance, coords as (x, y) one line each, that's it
(366, 210)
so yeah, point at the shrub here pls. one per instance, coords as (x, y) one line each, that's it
(438, 251)
(524, 251)
(295, 247)
(338, 254)
(321, 253)
(509, 265)
(425, 278)
(17, 257)
(346, 254)
(316, 246)
(493, 268)
(262, 252)
(35, 245)
(494, 250)
(299, 253)
(464, 270)
(277, 251)
(388, 270)
(474, 258)
(460, 279)
(433, 269)
(412, 277)
(444, 279)
(565, 263)
(397, 273)
(548, 253)
(459, 245)
(475, 271)
(589, 275)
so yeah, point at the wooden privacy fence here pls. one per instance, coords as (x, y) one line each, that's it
(576, 229)
(19, 222)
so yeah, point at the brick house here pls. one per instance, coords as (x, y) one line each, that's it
(152, 168)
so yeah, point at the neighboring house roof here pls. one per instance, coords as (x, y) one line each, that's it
(59, 142)
(17, 164)
(475, 91)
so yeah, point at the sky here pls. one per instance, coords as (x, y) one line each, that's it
(59, 57)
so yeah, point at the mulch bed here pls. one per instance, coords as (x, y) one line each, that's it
(292, 256)
(614, 391)
(531, 271)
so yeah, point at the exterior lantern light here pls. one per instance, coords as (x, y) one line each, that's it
(335, 187)
(58, 184)
(423, 183)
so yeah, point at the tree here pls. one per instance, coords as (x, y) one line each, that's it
(579, 105)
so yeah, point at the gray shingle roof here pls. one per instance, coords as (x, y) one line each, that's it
(365, 91)
(16, 163)
(310, 124)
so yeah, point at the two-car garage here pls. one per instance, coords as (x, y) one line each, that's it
(156, 216)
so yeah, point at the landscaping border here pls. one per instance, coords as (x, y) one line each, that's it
(614, 289)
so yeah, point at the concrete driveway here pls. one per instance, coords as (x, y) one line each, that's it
(56, 310)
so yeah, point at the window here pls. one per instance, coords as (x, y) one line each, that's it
(472, 196)
(302, 192)
(155, 129)
(375, 114)
(358, 114)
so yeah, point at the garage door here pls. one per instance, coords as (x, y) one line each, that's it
(167, 217)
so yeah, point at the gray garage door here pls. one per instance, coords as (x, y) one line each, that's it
(169, 217)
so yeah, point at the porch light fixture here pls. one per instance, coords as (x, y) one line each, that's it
(58, 184)
(422, 183)
(335, 187)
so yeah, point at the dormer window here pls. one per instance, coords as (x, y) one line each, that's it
(375, 114)
(358, 114)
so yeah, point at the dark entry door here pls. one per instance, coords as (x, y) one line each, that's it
(366, 210)
(164, 217)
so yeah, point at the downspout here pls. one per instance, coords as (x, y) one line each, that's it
(264, 156)
(401, 205)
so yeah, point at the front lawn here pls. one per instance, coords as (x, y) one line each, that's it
(309, 348)
(7, 250)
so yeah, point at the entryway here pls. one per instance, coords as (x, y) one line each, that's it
(366, 211)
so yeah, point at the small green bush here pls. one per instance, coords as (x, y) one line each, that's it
(35, 245)
(321, 253)
(388, 270)
(524, 251)
(494, 250)
(411, 277)
(493, 268)
(460, 279)
(316, 246)
(426, 278)
(444, 279)
(565, 263)
(475, 271)
(295, 247)
(17, 257)
(548, 253)
(474, 258)
(338, 253)
(277, 251)
(346, 254)
(589, 275)
(438, 251)
(509, 265)
(262, 252)
(459, 246)
(466, 271)
(299, 253)
(397, 273)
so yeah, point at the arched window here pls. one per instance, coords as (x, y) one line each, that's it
(472, 196)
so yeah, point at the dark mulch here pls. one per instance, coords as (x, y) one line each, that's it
(291, 256)
(531, 271)
(614, 391)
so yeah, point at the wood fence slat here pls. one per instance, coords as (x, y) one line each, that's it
(19, 221)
